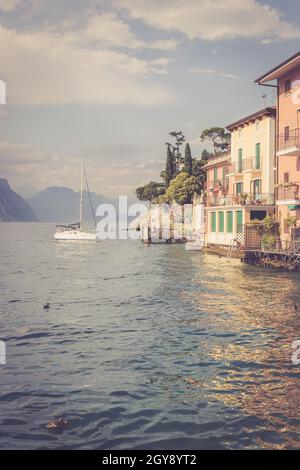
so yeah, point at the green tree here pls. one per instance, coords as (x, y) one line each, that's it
(188, 161)
(218, 137)
(199, 173)
(170, 170)
(182, 189)
(206, 155)
(150, 191)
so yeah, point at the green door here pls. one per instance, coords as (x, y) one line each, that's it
(229, 222)
(239, 219)
(257, 156)
(221, 221)
(213, 221)
(240, 161)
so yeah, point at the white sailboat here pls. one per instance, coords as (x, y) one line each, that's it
(75, 231)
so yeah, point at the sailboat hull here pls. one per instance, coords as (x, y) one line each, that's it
(75, 235)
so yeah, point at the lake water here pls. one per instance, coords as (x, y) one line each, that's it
(143, 347)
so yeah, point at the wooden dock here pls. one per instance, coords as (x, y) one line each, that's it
(277, 259)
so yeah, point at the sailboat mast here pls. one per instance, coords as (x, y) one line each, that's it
(81, 197)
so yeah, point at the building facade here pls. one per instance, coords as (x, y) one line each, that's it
(240, 186)
(287, 75)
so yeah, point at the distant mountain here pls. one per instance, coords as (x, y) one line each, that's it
(13, 208)
(61, 205)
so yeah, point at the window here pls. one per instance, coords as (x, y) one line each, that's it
(286, 177)
(257, 156)
(286, 133)
(238, 188)
(229, 222)
(215, 175)
(239, 132)
(287, 85)
(213, 221)
(258, 215)
(256, 187)
(221, 221)
(257, 125)
(240, 161)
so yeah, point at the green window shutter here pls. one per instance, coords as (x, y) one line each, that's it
(229, 222)
(215, 175)
(224, 177)
(213, 222)
(257, 156)
(257, 186)
(239, 188)
(221, 221)
(240, 161)
(239, 219)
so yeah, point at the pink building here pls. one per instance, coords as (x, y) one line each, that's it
(287, 166)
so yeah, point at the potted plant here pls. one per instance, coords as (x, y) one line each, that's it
(243, 198)
(268, 230)
(268, 242)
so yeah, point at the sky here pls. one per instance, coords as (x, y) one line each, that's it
(104, 82)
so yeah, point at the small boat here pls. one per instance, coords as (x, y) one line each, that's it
(193, 246)
(75, 231)
(197, 244)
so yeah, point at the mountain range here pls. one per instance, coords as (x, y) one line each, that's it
(54, 204)
(61, 205)
(13, 208)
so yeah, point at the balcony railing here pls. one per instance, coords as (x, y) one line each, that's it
(289, 139)
(216, 185)
(262, 199)
(245, 165)
(288, 191)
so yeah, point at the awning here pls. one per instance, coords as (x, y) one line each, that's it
(293, 207)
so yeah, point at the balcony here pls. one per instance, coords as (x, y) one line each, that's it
(216, 185)
(288, 143)
(262, 199)
(247, 164)
(289, 192)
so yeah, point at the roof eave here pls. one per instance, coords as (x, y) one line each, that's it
(275, 72)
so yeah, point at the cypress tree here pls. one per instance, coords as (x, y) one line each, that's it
(170, 167)
(188, 162)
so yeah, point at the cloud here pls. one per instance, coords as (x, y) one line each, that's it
(199, 70)
(29, 170)
(7, 6)
(213, 20)
(229, 75)
(213, 72)
(49, 67)
(164, 45)
(110, 30)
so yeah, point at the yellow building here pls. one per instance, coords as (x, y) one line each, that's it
(249, 190)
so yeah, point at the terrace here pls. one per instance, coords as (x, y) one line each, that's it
(262, 199)
(247, 164)
(216, 185)
(289, 191)
(288, 143)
